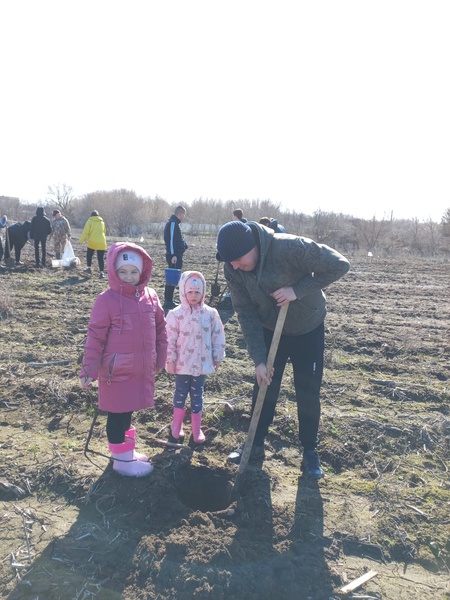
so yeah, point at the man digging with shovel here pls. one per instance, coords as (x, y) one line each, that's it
(264, 272)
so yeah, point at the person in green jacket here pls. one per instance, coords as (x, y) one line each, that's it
(95, 233)
(264, 271)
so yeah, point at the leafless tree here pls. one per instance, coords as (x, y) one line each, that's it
(431, 237)
(60, 195)
(445, 223)
(11, 207)
(204, 211)
(125, 211)
(372, 231)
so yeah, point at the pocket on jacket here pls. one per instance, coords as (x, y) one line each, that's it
(117, 367)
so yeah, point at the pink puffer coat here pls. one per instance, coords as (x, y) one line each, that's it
(127, 341)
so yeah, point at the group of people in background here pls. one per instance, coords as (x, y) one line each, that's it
(132, 336)
(40, 229)
(238, 215)
(37, 231)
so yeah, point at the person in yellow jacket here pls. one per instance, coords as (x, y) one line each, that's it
(95, 233)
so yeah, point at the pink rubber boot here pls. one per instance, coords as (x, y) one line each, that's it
(197, 433)
(125, 464)
(177, 424)
(131, 434)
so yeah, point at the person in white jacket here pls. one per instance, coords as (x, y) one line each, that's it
(196, 347)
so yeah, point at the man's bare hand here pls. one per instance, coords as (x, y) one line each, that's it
(262, 375)
(284, 296)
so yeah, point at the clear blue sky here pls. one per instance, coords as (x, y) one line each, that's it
(336, 105)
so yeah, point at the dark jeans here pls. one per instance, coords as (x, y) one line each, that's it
(116, 425)
(43, 244)
(100, 258)
(169, 289)
(9, 247)
(306, 355)
(192, 385)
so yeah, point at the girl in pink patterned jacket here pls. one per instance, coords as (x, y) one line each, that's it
(196, 347)
(126, 348)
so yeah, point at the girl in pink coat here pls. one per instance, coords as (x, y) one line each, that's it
(126, 348)
(196, 347)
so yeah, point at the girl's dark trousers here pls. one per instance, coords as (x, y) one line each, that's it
(116, 425)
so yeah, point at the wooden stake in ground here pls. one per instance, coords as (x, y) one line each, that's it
(259, 400)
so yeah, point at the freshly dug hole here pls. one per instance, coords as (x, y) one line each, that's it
(204, 489)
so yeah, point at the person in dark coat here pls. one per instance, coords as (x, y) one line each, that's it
(273, 224)
(17, 236)
(40, 229)
(238, 215)
(175, 248)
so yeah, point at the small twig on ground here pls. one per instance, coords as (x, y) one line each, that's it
(162, 429)
(385, 382)
(57, 453)
(395, 469)
(417, 510)
(356, 583)
(397, 392)
(442, 462)
(27, 537)
(103, 513)
(49, 363)
(376, 468)
(168, 444)
(230, 401)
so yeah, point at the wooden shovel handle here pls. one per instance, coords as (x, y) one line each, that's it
(262, 393)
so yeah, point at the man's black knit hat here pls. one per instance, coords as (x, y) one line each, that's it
(235, 239)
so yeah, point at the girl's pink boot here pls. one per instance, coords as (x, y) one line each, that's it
(177, 424)
(131, 434)
(197, 433)
(124, 462)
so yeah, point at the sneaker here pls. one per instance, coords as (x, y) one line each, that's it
(235, 456)
(88, 271)
(102, 275)
(19, 263)
(311, 464)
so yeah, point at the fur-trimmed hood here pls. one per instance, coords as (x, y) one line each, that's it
(182, 286)
(114, 282)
